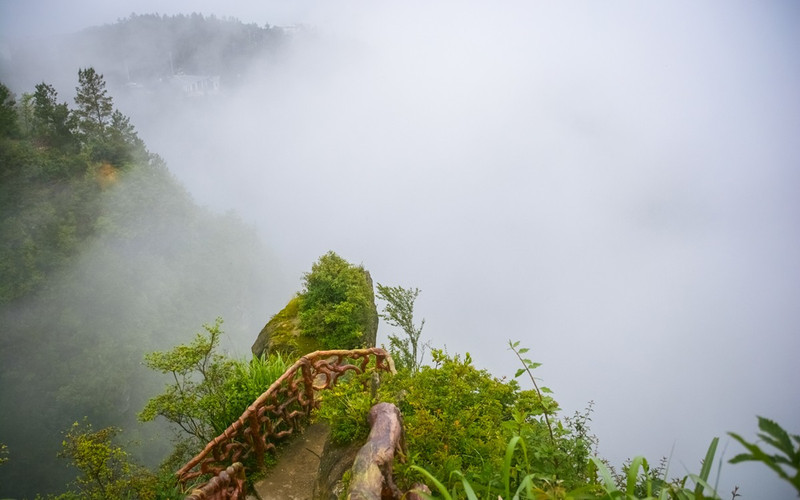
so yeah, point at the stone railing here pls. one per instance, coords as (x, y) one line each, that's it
(278, 413)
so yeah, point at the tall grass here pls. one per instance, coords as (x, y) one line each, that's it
(517, 481)
(641, 485)
(248, 380)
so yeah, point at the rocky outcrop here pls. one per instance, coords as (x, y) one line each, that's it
(335, 461)
(283, 334)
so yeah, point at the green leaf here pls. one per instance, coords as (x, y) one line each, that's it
(546, 390)
(781, 440)
(608, 481)
(756, 454)
(467, 487)
(705, 471)
(742, 457)
(519, 372)
(708, 461)
(523, 350)
(531, 365)
(702, 485)
(506, 474)
(633, 474)
(436, 482)
(527, 486)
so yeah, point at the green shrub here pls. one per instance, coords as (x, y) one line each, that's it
(209, 391)
(345, 407)
(196, 402)
(105, 468)
(338, 304)
(460, 418)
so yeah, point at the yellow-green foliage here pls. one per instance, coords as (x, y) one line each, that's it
(345, 407)
(105, 469)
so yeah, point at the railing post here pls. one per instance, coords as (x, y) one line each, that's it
(257, 438)
(308, 384)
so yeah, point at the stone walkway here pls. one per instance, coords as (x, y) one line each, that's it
(294, 475)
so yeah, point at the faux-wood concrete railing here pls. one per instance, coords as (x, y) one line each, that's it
(278, 413)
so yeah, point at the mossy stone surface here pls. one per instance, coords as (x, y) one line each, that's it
(283, 334)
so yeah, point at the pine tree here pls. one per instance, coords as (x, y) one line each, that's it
(95, 107)
(8, 113)
(52, 122)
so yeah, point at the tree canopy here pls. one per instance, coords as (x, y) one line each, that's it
(398, 311)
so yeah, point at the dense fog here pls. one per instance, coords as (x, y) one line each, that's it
(615, 185)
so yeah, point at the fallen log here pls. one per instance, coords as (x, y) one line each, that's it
(372, 468)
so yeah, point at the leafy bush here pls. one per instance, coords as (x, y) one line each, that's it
(337, 304)
(106, 471)
(196, 401)
(460, 418)
(345, 407)
(209, 391)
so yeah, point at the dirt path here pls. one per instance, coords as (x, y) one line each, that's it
(293, 477)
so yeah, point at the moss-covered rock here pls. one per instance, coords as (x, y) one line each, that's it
(283, 334)
(336, 310)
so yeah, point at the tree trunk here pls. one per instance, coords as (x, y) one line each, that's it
(372, 469)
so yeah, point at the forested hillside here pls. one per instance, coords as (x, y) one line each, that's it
(143, 53)
(103, 257)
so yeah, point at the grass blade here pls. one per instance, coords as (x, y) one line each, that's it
(608, 482)
(705, 471)
(512, 444)
(633, 474)
(467, 487)
(436, 482)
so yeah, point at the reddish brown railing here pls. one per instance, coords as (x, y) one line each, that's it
(227, 485)
(276, 414)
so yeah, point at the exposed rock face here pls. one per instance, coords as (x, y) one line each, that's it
(282, 333)
(336, 459)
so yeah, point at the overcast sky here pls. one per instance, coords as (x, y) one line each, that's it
(615, 184)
